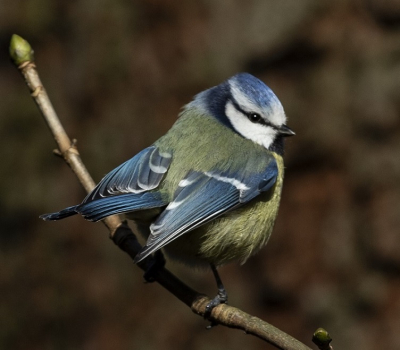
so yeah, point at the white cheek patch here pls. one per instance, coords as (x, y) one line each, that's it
(260, 134)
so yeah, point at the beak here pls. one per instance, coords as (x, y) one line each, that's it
(285, 131)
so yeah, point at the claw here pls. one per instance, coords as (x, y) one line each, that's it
(220, 298)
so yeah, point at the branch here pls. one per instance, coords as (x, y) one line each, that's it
(22, 56)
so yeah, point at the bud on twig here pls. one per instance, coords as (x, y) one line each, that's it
(20, 50)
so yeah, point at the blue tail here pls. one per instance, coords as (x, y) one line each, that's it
(98, 209)
(61, 214)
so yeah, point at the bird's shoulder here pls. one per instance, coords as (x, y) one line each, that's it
(202, 141)
(198, 142)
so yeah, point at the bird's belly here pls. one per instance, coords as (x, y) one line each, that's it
(234, 236)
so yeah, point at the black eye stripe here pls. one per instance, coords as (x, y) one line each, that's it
(260, 121)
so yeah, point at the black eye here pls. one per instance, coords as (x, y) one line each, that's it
(254, 117)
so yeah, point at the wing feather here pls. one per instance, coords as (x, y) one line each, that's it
(129, 187)
(200, 198)
(141, 173)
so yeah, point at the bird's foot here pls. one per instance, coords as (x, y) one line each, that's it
(155, 265)
(220, 298)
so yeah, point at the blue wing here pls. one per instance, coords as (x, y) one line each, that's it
(202, 197)
(141, 173)
(124, 189)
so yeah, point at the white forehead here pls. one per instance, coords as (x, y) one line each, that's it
(268, 104)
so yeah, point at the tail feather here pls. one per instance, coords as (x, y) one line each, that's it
(60, 215)
(98, 209)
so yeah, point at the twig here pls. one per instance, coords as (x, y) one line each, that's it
(22, 55)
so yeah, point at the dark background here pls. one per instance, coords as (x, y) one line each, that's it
(118, 73)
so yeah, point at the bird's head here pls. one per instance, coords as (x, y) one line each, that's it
(246, 105)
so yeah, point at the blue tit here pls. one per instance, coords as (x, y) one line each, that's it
(208, 191)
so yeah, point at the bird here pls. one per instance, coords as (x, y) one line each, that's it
(207, 192)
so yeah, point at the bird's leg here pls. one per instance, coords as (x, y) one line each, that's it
(156, 263)
(221, 297)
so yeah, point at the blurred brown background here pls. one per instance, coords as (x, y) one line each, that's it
(118, 72)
